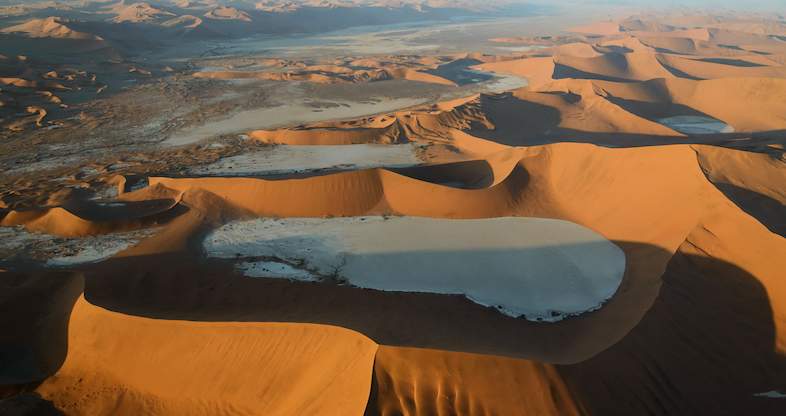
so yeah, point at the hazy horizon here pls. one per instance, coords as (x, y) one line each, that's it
(768, 5)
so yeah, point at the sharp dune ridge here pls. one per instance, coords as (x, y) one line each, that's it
(696, 326)
(50, 27)
(669, 236)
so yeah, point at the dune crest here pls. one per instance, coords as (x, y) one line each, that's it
(50, 27)
(238, 368)
(604, 240)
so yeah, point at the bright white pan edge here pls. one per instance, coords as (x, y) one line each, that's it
(541, 269)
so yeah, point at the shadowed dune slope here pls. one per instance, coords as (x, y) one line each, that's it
(633, 66)
(742, 323)
(698, 69)
(409, 381)
(84, 219)
(536, 70)
(617, 192)
(655, 369)
(747, 104)
(752, 180)
(621, 193)
(37, 307)
(697, 325)
(527, 118)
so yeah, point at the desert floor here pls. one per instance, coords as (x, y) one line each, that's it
(549, 216)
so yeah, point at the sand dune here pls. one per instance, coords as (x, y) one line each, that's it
(137, 13)
(599, 29)
(696, 325)
(228, 13)
(535, 70)
(381, 135)
(697, 34)
(633, 66)
(581, 50)
(51, 27)
(549, 190)
(417, 381)
(698, 69)
(186, 22)
(91, 219)
(265, 368)
(571, 113)
(326, 74)
(751, 180)
(528, 190)
(742, 103)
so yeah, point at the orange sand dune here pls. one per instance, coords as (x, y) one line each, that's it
(138, 13)
(316, 136)
(599, 29)
(620, 193)
(724, 255)
(82, 220)
(521, 117)
(747, 298)
(685, 46)
(634, 66)
(572, 113)
(199, 368)
(699, 34)
(536, 70)
(623, 45)
(437, 122)
(697, 326)
(748, 104)
(51, 27)
(641, 23)
(414, 75)
(641, 63)
(543, 183)
(185, 21)
(273, 76)
(411, 381)
(581, 50)
(228, 13)
(330, 74)
(752, 180)
(18, 82)
(696, 69)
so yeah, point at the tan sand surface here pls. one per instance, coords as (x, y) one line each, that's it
(697, 324)
(275, 369)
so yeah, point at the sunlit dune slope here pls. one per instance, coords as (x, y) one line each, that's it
(177, 367)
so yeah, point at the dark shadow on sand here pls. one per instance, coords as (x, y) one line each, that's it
(769, 212)
(705, 346)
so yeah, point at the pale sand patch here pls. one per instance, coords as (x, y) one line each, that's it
(17, 243)
(542, 269)
(696, 125)
(294, 159)
(283, 115)
(773, 394)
